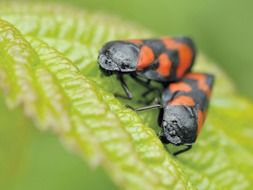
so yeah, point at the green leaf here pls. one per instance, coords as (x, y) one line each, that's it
(48, 68)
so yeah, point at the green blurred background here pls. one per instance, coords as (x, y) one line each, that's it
(222, 30)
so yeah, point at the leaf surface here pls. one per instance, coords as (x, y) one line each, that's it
(48, 68)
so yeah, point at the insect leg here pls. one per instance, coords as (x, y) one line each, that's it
(153, 106)
(152, 89)
(149, 88)
(146, 83)
(188, 147)
(129, 95)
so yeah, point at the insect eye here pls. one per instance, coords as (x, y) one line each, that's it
(174, 121)
(108, 62)
(124, 65)
(164, 123)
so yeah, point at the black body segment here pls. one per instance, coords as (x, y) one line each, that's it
(185, 105)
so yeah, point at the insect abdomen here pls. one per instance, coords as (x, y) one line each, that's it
(165, 59)
(186, 53)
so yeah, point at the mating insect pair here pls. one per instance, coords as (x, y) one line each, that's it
(184, 99)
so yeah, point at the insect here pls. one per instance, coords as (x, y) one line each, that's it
(162, 60)
(183, 110)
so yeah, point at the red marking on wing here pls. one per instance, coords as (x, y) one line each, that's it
(202, 85)
(200, 121)
(164, 65)
(185, 54)
(180, 86)
(182, 100)
(146, 57)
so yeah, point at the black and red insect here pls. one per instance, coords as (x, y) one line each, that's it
(184, 109)
(163, 60)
